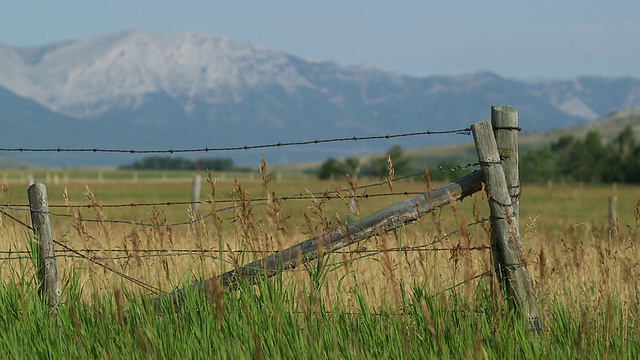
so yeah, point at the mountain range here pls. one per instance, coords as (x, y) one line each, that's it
(139, 90)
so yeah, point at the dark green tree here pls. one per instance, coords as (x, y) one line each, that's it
(590, 160)
(224, 164)
(626, 163)
(352, 166)
(336, 168)
(331, 168)
(177, 163)
(633, 166)
(160, 163)
(379, 167)
(539, 166)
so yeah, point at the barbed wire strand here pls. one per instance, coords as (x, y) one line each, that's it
(466, 131)
(486, 273)
(205, 253)
(310, 196)
(135, 281)
(300, 196)
(327, 194)
(373, 253)
(297, 196)
(127, 257)
(157, 291)
(401, 311)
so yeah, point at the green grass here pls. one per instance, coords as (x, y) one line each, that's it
(587, 289)
(272, 321)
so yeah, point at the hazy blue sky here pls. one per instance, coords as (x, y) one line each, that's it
(559, 38)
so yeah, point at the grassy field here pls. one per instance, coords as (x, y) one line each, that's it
(368, 301)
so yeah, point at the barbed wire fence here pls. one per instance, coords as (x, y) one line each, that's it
(262, 201)
(465, 131)
(326, 195)
(94, 255)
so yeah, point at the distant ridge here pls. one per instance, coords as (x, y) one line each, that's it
(144, 90)
(608, 126)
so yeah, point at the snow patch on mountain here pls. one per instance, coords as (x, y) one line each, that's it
(115, 70)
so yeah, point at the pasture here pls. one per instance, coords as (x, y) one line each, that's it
(422, 291)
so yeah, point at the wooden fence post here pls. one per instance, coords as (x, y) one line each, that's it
(504, 120)
(508, 261)
(49, 286)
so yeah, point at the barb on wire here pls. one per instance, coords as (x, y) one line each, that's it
(466, 131)
(457, 168)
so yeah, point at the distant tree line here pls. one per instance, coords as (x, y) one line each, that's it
(590, 160)
(177, 163)
(378, 167)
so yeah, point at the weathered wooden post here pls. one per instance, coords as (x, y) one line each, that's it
(504, 120)
(505, 235)
(49, 286)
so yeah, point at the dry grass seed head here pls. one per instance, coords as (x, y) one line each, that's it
(98, 212)
(317, 205)
(264, 177)
(213, 182)
(277, 219)
(391, 173)
(134, 239)
(427, 179)
(542, 264)
(244, 215)
(354, 205)
(389, 266)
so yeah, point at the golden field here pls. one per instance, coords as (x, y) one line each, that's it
(122, 221)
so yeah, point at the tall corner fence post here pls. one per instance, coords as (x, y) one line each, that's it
(49, 285)
(504, 120)
(510, 267)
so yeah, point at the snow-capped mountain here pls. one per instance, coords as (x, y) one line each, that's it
(136, 89)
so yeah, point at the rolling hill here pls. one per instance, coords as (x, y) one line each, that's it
(608, 126)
